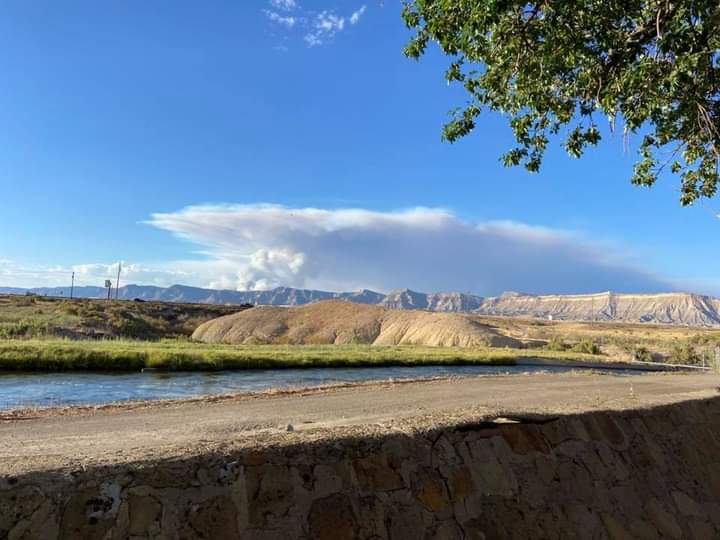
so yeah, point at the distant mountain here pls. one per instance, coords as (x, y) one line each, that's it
(405, 299)
(668, 308)
(452, 302)
(281, 296)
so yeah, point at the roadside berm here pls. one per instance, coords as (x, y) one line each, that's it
(637, 465)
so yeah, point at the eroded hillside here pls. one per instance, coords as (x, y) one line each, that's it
(343, 322)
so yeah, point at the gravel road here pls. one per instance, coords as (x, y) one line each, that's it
(80, 437)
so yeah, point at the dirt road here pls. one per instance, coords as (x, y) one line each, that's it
(76, 438)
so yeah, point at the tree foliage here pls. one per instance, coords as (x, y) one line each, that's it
(557, 67)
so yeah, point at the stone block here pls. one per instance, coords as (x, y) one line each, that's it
(701, 530)
(494, 479)
(88, 515)
(269, 494)
(686, 505)
(429, 488)
(214, 518)
(615, 529)
(445, 530)
(662, 519)
(333, 518)
(144, 515)
(524, 438)
(18, 505)
(375, 474)
(642, 530)
(460, 482)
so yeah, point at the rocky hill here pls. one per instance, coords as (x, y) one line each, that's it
(341, 322)
(669, 308)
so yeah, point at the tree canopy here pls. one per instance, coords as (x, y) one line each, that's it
(557, 68)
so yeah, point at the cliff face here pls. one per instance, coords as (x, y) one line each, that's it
(668, 308)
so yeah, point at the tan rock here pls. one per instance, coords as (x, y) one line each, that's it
(460, 482)
(524, 438)
(144, 514)
(430, 491)
(215, 518)
(615, 530)
(375, 474)
(87, 516)
(333, 518)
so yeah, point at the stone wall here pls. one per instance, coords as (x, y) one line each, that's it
(633, 474)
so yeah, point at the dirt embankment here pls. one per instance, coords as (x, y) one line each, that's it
(340, 322)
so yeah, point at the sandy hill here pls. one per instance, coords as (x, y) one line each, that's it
(343, 322)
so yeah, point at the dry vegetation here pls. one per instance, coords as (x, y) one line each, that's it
(45, 333)
(337, 322)
(621, 341)
(23, 317)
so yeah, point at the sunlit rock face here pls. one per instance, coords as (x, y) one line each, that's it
(669, 308)
(666, 308)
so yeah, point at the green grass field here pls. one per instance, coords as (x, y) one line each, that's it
(119, 355)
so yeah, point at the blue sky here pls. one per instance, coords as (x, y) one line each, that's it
(157, 132)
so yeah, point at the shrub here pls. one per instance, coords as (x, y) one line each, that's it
(586, 346)
(684, 353)
(26, 328)
(556, 343)
(642, 354)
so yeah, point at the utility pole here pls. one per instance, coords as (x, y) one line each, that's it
(72, 286)
(117, 283)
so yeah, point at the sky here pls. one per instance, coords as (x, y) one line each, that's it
(261, 143)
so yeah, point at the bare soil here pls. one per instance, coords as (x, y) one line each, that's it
(340, 323)
(76, 438)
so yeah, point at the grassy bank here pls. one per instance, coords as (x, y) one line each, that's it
(23, 317)
(63, 355)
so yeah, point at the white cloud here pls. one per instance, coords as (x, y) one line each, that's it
(284, 5)
(95, 274)
(324, 27)
(317, 28)
(426, 249)
(286, 21)
(355, 17)
(263, 246)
